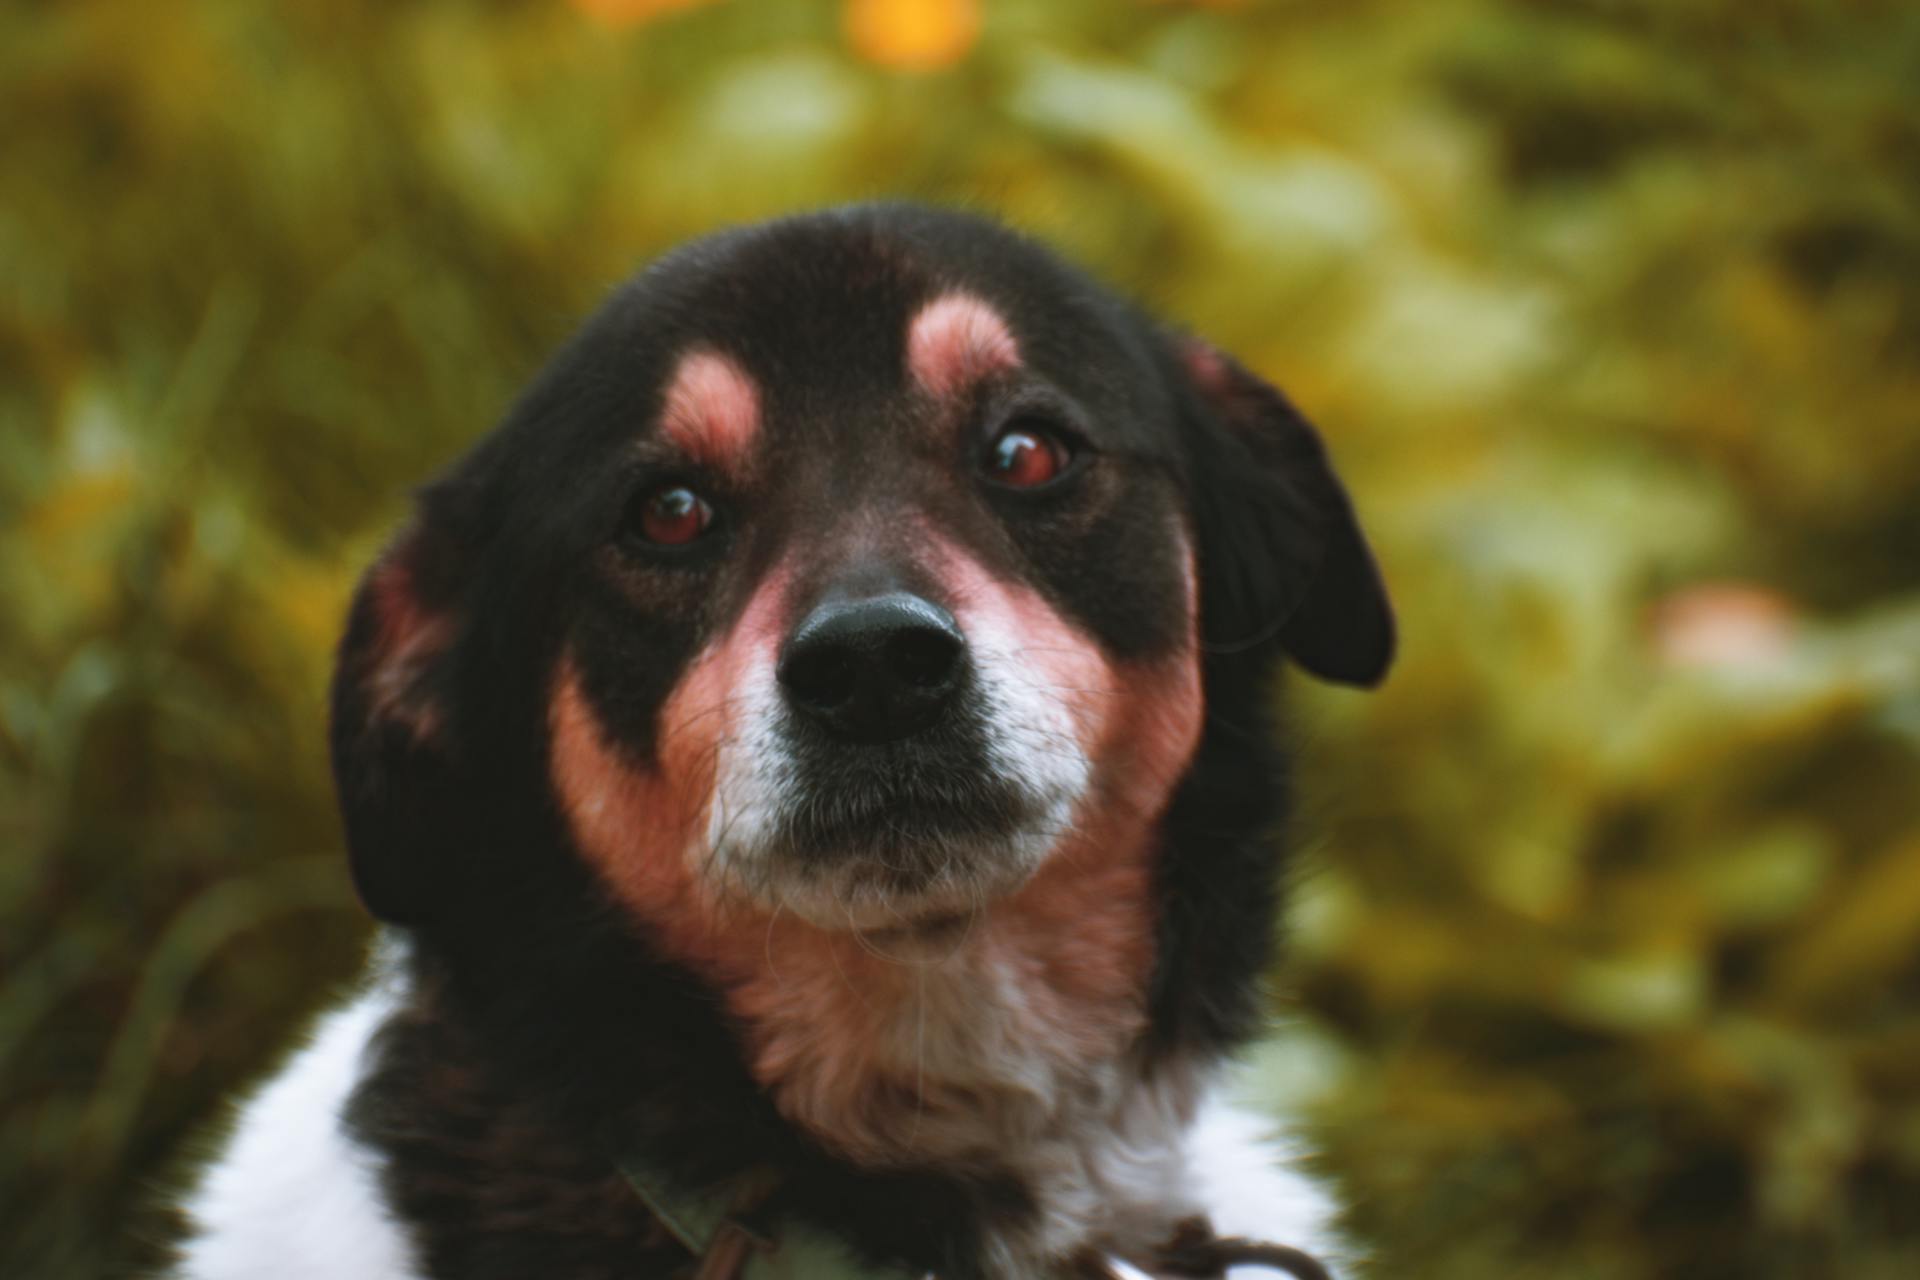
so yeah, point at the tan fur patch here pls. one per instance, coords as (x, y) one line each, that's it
(712, 410)
(956, 340)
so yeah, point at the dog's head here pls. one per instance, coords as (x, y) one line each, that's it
(857, 566)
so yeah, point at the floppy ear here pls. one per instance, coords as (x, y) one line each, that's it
(396, 764)
(1282, 559)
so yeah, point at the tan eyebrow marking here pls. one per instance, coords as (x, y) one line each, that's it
(712, 409)
(956, 340)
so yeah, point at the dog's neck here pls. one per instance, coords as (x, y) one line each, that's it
(1011, 1043)
(1004, 1054)
(950, 1049)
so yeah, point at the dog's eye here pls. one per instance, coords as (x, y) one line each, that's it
(671, 515)
(1026, 456)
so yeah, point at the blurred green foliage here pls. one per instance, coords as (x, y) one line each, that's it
(1606, 962)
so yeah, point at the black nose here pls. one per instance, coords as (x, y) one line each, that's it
(876, 668)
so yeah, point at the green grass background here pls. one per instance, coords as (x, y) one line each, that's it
(1606, 958)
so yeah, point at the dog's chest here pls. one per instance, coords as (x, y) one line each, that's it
(990, 1056)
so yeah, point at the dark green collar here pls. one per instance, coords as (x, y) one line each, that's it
(721, 1232)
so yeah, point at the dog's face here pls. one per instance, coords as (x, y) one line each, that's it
(857, 567)
(889, 594)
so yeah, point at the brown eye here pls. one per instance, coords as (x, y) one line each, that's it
(673, 516)
(1023, 458)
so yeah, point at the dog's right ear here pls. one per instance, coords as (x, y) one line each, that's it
(1283, 563)
(396, 763)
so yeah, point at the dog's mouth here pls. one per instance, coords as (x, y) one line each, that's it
(904, 837)
(900, 837)
(907, 852)
(909, 825)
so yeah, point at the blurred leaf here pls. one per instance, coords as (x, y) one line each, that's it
(912, 35)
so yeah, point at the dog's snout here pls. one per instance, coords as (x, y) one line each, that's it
(874, 669)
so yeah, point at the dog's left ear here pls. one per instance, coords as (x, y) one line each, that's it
(1282, 558)
(405, 791)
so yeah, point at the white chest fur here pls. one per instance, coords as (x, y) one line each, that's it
(1112, 1157)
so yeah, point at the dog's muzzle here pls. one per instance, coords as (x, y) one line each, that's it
(891, 767)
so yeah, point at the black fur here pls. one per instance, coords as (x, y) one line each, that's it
(546, 1032)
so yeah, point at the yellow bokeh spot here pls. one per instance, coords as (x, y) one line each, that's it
(913, 35)
(631, 13)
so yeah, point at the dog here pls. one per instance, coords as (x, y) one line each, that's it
(817, 767)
